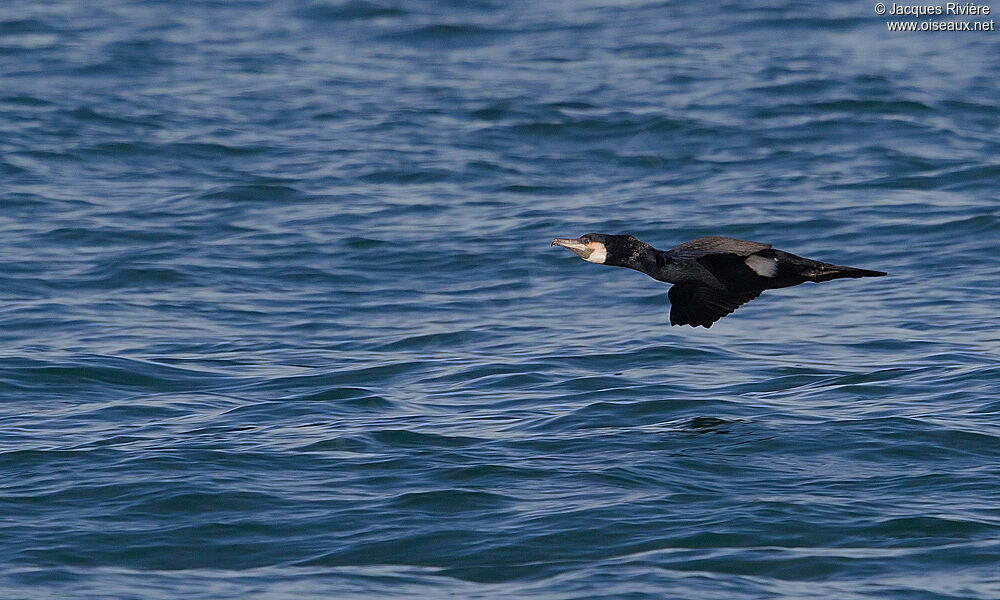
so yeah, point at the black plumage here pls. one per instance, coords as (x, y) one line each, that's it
(712, 276)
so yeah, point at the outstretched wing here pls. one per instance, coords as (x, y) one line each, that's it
(716, 245)
(695, 304)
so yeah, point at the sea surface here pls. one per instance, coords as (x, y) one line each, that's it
(279, 318)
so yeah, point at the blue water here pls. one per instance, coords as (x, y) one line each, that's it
(280, 319)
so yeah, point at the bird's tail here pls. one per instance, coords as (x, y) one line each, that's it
(820, 271)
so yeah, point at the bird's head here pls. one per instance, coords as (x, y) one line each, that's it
(600, 248)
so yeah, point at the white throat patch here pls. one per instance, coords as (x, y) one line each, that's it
(600, 253)
(765, 267)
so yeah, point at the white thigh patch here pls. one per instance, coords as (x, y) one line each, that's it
(765, 267)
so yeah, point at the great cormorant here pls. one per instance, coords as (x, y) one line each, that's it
(712, 276)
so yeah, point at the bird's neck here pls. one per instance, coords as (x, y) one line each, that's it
(652, 262)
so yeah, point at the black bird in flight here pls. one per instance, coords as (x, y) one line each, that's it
(712, 276)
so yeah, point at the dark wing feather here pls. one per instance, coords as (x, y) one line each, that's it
(717, 245)
(696, 305)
